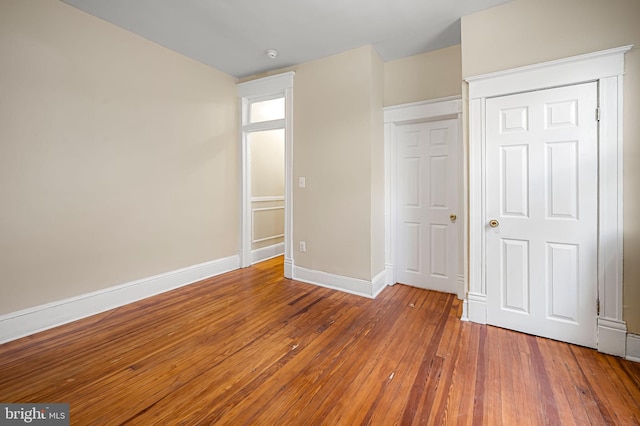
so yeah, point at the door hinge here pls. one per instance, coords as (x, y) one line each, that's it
(598, 114)
(598, 306)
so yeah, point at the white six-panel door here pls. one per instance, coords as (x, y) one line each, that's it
(542, 192)
(427, 196)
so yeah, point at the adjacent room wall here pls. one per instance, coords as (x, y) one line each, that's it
(118, 157)
(338, 143)
(430, 75)
(267, 180)
(525, 32)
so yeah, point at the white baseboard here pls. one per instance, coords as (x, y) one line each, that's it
(633, 347)
(389, 274)
(612, 337)
(288, 268)
(477, 308)
(355, 286)
(266, 253)
(461, 287)
(32, 320)
(378, 283)
(465, 310)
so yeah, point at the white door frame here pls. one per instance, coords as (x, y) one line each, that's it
(273, 86)
(607, 68)
(397, 115)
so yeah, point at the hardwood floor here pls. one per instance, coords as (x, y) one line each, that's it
(250, 347)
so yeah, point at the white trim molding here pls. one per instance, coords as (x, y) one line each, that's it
(357, 286)
(267, 199)
(397, 115)
(461, 282)
(612, 336)
(266, 88)
(633, 347)
(607, 68)
(272, 87)
(33, 320)
(265, 253)
(253, 228)
(475, 307)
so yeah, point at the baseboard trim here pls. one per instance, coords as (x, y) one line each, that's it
(389, 274)
(288, 268)
(461, 287)
(633, 347)
(266, 253)
(465, 311)
(33, 320)
(359, 287)
(612, 337)
(378, 283)
(476, 308)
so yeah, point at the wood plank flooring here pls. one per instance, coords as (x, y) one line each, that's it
(250, 347)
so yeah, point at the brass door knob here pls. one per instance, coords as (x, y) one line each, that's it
(452, 217)
(493, 223)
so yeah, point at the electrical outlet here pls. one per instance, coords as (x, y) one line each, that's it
(302, 182)
(303, 246)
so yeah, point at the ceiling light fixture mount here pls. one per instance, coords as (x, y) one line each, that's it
(271, 53)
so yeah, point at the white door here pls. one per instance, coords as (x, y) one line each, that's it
(541, 212)
(427, 197)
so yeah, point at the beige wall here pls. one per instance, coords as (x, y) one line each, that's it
(377, 164)
(337, 142)
(524, 32)
(268, 221)
(118, 157)
(430, 75)
(267, 163)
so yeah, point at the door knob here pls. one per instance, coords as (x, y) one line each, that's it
(452, 217)
(493, 223)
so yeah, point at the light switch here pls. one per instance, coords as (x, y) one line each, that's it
(302, 182)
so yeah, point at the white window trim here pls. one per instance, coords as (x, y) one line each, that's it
(258, 90)
(607, 68)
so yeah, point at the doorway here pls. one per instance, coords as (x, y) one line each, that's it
(490, 238)
(542, 212)
(427, 205)
(266, 163)
(266, 228)
(423, 217)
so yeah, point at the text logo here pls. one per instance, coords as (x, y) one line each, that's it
(34, 414)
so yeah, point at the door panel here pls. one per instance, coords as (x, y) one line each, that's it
(439, 261)
(541, 188)
(515, 275)
(563, 281)
(514, 179)
(438, 171)
(412, 261)
(563, 180)
(427, 241)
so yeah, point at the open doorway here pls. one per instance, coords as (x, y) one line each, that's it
(266, 159)
(266, 144)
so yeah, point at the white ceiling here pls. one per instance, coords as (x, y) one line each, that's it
(232, 35)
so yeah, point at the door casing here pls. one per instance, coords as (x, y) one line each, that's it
(394, 116)
(606, 68)
(264, 88)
